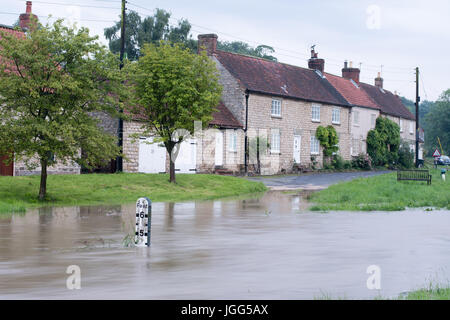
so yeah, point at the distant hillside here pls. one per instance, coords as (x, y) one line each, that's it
(424, 106)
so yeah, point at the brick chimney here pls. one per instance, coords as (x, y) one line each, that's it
(207, 42)
(24, 18)
(316, 63)
(348, 72)
(379, 81)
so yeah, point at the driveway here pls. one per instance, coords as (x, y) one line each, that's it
(313, 181)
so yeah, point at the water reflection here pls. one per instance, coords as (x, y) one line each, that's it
(264, 247)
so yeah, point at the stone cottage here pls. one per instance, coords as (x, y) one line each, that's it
(18, 167)
(283, 105)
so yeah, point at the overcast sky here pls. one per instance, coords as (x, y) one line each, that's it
(399, 35)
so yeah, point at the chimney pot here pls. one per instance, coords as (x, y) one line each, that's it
(379, 81)
(348, 72)
(315, 63)
(29, 4)
(24, 18)
(207, 42)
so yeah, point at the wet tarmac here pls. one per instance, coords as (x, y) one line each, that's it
(267, 247)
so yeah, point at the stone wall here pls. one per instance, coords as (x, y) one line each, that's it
(295, 120)
(20, 168)
(233, 95)
(131, 146)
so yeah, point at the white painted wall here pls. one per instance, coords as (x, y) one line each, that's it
(359, 130)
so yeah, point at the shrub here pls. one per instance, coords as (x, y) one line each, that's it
(405, 156)
(383, 142)
(338, 162)
(362, 161)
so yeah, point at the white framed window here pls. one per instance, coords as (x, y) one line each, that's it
(275, 141)
(401, 125)
(232, 144)
(411, 127)
(373, 120)
(356, 118)
(315, 113)
(276, 108)
(315, 145)
(336, 116)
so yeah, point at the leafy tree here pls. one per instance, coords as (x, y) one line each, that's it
(383, 142)
(51, 79)
(437, 124)
(261, 51)
(152, 29)
(424, 107)
(173, 88)
(328, 139)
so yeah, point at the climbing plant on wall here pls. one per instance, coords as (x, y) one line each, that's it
(328, 139)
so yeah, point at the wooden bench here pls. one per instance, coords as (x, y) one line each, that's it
(414, 175)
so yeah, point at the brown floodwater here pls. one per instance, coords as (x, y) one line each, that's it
(266, 247)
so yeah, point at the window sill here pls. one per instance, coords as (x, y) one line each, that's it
(336, 123)
(275, 152)
(275, 116)
(317, 121)
(315, 154)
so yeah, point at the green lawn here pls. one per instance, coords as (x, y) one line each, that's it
(385, 193)
(19, 193)
(428, 294)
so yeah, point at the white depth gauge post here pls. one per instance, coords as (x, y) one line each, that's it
(143, 222)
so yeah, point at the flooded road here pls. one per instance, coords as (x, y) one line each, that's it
(260, 248)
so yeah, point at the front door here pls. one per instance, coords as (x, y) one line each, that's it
(219, 149)
(297, 145)
(6, 170)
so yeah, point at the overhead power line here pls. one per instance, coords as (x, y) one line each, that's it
(279, 51)
(297, 54)
(74, 4)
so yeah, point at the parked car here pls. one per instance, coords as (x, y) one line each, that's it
(444, 160)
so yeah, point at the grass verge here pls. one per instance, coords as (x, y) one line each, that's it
(428, 294)
(19, 193)
(384, 193)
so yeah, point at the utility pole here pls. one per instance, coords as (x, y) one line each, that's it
(119, 160)
(246, 134)
(417, 116)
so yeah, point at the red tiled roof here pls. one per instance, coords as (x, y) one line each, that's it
(274, 78)
(224, 118)
(355, 96)
(390, 103)
(10, 30)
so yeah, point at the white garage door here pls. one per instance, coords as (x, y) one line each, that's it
(187, 157)
(152, 157)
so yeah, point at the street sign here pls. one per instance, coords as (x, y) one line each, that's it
(143, 222)
(436, 153)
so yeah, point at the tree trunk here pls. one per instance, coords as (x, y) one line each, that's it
(43, 186)
(258, 161)
(172, 171)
